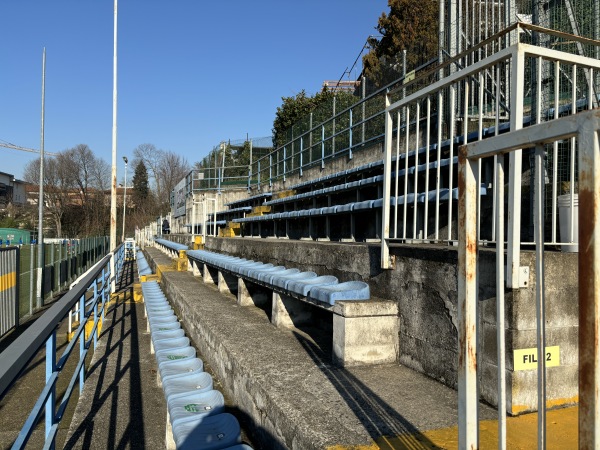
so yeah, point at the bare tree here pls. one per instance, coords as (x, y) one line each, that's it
(152, 158)
(172, 170)
(75, 184)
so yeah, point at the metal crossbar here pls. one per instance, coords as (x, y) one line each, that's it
(584, 128)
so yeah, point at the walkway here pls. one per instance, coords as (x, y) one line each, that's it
(387, 407)
(289, 391)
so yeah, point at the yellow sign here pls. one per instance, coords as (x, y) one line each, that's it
(527, 358)
(409, 77)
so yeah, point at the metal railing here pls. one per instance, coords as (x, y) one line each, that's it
(13, 360)
(584, 128)
(9, 289)
(420, 182)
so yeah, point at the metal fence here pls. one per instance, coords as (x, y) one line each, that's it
(64, 261)
(505, 91)
(584, 128)
(96, 285)
(9, 289)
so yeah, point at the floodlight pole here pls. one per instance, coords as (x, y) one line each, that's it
(113, 188)
(124, 198)
(113, 192)
(40, 237)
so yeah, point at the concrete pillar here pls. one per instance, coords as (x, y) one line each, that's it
(289, 312)
(365, 333)
(243, 295)
(209, 275)
(226, 283)
(196, 268)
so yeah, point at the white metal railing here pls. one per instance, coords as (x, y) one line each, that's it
(424, 129)
(584, 128)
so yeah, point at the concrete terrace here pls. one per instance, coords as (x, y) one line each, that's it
(279, 383)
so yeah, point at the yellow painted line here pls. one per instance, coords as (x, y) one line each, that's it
(521, 434)
(8, 281)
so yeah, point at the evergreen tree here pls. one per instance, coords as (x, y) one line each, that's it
(141, 188)
(411, 26)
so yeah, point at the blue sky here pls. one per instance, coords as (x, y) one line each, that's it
(190, 72)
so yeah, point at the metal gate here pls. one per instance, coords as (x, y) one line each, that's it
(9, 289)
(584, 128)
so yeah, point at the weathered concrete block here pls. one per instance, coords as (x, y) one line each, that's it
(368, 334)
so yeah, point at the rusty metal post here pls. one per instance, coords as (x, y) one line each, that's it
(589, 284)
(468, 426)
(538, 220)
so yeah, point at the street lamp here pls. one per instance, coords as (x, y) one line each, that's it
(124, 198)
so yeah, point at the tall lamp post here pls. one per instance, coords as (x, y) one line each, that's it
(124, 198)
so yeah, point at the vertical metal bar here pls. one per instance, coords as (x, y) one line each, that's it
(555, 154)
(538, 219)
(350, 137)
(416, 166)
(572, 159)
(589, 285)
(406, 148)
(500, 303)
(468, 426)
(514, 170)
(480, 96)
(439, 159)
(427, 149)
(50, 369)
(82, 342)
(323, 146)
(104, 292)
(387, 184)
(284, 165)
(52, 277)
(96, 312)
(496, 124)
(301, 152)
(397, 173)
(31, 275)
(451, 165)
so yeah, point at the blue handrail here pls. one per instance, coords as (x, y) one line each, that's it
(15, 358)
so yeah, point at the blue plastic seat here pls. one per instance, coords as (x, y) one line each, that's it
(165, 327)
(194, 405)
(183, 384)
(174, 354)
(158, 335)
(207, 433)
(179, 368)
(270, 278)
(282, 280)
(367, 204)
(349, 290)
(302, 287)
(260, 273)
(175, 343)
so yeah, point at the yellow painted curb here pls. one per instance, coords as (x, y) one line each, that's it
(521, 434)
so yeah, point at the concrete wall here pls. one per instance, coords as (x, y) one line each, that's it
(424, 284)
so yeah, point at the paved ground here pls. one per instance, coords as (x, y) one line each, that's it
(387, 407)
(288, 390)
